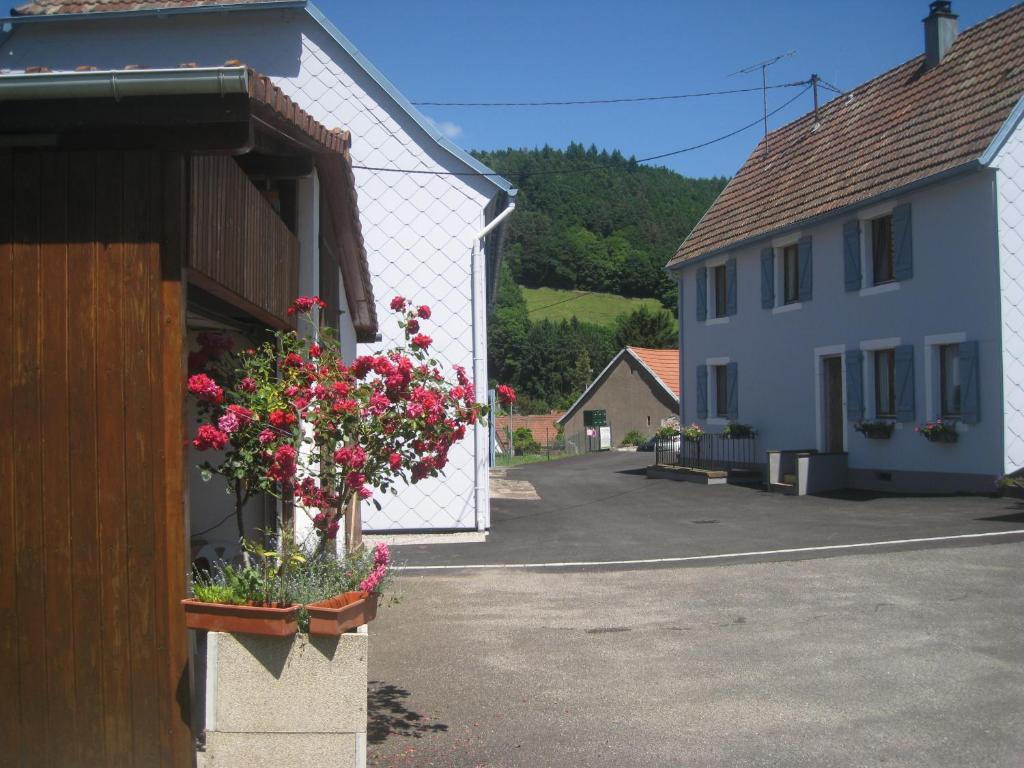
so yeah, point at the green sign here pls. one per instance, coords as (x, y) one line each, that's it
(595, 418)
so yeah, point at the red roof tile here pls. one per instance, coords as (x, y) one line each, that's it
(663, 363)
(903, 126)
(53, 7)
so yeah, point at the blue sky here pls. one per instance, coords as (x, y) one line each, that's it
(464, 50)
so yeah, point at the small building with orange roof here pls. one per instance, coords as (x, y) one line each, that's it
(638, 391)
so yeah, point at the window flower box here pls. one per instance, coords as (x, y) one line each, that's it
(875, 430)
(341, 613)
(939, 431)
(271, 620)
(736, 431)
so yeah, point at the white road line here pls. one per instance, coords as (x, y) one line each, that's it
(696, 558)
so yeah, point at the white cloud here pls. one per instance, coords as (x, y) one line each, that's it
(449, 129)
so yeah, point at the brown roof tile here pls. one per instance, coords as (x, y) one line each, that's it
(901, 127)
(53, 7)
(664, 363)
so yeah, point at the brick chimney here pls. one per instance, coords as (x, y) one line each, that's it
(939, 32)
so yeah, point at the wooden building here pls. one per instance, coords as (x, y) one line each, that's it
(130, 202)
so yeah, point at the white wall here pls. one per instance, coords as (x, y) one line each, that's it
(417, 228)
(1010, 208)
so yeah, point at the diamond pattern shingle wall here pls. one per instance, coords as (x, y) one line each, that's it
(417, 230)
(1010, 206)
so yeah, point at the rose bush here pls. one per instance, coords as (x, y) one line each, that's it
(297, 419)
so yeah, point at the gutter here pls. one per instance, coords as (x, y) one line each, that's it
(977, 164)
(120, 84)
(479, 314)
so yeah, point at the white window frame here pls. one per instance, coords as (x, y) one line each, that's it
(709, 300)
(867, 267)
(779, 245)
(875, 345)
(932, 369)
(712, 394)
(819, 385)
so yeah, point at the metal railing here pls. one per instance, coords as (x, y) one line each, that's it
(708, 452)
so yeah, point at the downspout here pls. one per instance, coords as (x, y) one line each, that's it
(479, 283)
(682, 367)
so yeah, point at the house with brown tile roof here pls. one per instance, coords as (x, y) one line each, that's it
(862, 275)
(638, 391)
(424, 203)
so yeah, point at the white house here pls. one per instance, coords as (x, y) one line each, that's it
(866, 265)
(423, 202)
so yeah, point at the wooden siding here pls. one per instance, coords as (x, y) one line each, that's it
(93, 649)
(239, 242)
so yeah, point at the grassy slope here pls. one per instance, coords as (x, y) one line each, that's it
(597, 308)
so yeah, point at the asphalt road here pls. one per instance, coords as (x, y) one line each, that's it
(602, 507)
(882, 658)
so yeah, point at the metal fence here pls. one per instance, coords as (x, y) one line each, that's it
(709, 452)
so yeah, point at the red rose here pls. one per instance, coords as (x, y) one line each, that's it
(422, 341)
(395, 461)
(398, 304)
(506, 395)
(424, 312)
(209, 436)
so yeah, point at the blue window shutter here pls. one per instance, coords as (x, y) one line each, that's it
(702, 294)
(905, 410)
(767, 278)
(732, 404)
(903, 243)
(970, 411)
(702, 391)
(854, 384)
(851, 254)
(730, 287)
(806, 273)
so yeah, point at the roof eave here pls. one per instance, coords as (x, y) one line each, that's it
(673, 268)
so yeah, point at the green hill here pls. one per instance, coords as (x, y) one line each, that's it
(589, 307)
(596, 221)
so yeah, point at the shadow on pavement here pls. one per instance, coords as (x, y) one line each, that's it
(387, 715)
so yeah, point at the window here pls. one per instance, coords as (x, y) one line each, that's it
(721, 392)
(885, 384)
(721, 286)
(882, 250)
(949, 380)
(791, 274)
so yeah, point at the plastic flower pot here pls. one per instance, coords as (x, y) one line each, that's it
(877, 433)
(341, 613)
(269, 620)
(943, 436)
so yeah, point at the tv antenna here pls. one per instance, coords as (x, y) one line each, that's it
(763, 66)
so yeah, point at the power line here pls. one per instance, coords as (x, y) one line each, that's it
(576, 102)
(590, 169)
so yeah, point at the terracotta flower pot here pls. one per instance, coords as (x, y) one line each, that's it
(341, 613)
(270, 620)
